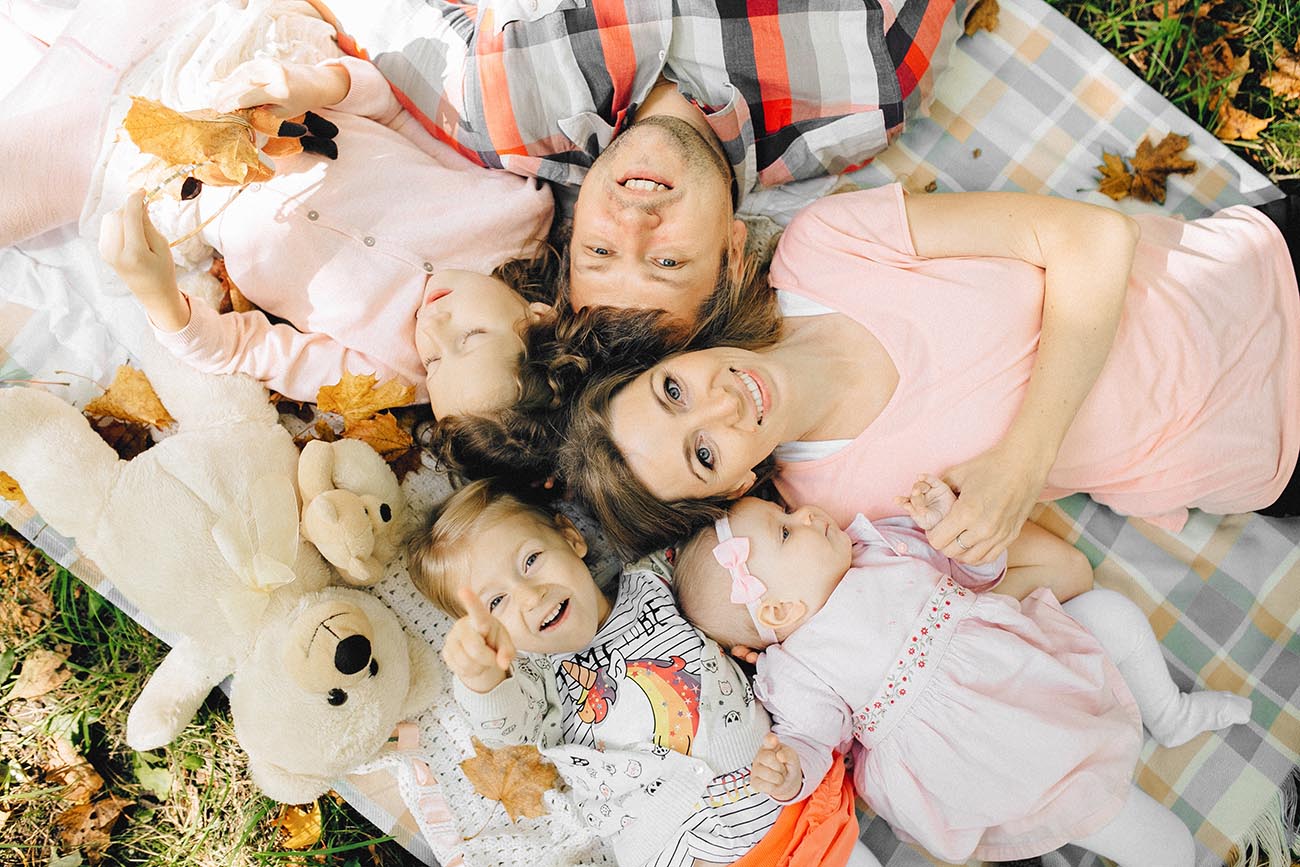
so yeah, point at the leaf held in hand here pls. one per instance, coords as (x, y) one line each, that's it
(221, 147)
(300, 825)
(9, 489)
(357, 397)
(131, 399)
(516, 776)
(983, 17)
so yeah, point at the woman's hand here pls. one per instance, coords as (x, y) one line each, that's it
(134, 248)
(995, 493)
(478, 649)
(287, 89)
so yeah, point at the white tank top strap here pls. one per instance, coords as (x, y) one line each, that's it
(810, 450)
(791, 304)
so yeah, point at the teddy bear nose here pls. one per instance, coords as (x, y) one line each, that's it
(385, 512)
(352, 654)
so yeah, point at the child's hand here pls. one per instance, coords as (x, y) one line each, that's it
(138, 252)
(928, 502)
(776, 771)
(288, 89)
(746, 653)
(478, 649)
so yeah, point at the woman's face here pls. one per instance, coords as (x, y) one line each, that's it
(697, 424)
(469, 336)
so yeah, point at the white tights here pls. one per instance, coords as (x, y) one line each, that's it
(1144, 834)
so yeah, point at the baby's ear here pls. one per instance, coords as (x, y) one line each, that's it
(781, 614)
(571, 535)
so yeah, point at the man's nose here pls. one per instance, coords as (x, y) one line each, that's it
(635, 218)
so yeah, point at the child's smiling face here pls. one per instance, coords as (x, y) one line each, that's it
(800, 556)
(530, 574)
(469, 336)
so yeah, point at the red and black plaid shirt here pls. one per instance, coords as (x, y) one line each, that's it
(794, 89)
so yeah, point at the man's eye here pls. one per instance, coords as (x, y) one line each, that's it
(494, 602)
(599, 251)
(704, 455)
(672, 390)
(666, 263)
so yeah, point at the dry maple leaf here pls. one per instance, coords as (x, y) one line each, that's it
(1153, 164)
(299, 824)
(131, 398)
(406, 462)
(1238, 125)
(984, 16)
(221, 147)
(516, 776)
(356, 397)
(127, 438)
(9, 489)
(382, 434)
(1115, 179)
(43, 671)
(79, 778)
(1284, 78)
(88, 826)
(1221, 70)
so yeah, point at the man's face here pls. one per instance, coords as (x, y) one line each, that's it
(652, 221)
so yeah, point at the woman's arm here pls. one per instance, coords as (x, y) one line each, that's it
(1086, 252)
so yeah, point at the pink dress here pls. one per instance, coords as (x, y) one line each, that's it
(1198, 403)
(980, 726)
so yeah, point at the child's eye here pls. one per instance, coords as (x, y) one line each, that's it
(531, 560)
(494, 602)
(785, 532)
(469, 334)
(672, 390)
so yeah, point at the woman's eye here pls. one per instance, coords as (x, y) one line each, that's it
(666, 263)
(599, 251)
(672, 390)
(704, 455)
(494, 602)
(785, 533)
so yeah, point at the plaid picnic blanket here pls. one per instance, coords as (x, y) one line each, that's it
(1029, 107)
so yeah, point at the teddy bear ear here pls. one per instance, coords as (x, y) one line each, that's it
(287, 788)
(426, 677)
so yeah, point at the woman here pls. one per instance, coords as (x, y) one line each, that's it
(1021, 347)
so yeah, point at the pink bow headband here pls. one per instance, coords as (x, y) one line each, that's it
(732, 554)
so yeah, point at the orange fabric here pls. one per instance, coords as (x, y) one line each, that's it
(819, 831)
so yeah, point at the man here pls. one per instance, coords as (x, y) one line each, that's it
(666, 113)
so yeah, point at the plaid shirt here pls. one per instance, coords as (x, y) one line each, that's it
(793, 88)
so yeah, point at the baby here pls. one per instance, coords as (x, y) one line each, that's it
(372, 260)
(614, 675)
(981, 726)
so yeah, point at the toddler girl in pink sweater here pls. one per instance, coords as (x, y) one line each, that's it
(980, 726)
(374, 262)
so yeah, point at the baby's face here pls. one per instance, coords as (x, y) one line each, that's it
(530, 575)
(469, 336)
(800, 555)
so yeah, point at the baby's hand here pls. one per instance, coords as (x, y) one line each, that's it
(776, 771)
(131, 244)
(746, 653)
(288, 89)
(478, 649)
(928, 502)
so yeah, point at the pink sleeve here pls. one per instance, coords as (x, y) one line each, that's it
(370, 95)
(906, 538)
(292, 362)
(807, 715)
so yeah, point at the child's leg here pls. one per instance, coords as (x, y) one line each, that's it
(1038, 558)
(1144, 834)
(1173, 717)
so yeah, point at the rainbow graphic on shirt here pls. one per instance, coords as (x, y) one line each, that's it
(672, 692)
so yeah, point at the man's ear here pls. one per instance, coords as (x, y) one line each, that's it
(739, 233)
(781, 614)
(571, 535)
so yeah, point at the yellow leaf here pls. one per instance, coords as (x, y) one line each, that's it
(221, 147)
(9, 489)
(1238, 125)
(300, 826)
(516, 776)
(984, 16)
(356, 397)
(382, 434)
(131, 399)
(1115, 179)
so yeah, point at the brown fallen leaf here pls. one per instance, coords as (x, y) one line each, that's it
(516, 776)
(1153, 164)
(9, 489)
(68, 767)
(356, 397)
(299, 824)
(131, 398)
(1220, 70)
(381, 433)
(406, 462)
(1238, 125)
(127, 438)
(1115, 179)
(1284, 78)
(984, 16)
(232, 300)
(42, 672)
(88, 827)
(221, 147)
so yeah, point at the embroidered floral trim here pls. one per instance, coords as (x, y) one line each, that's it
(938, 612)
